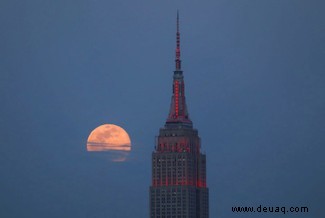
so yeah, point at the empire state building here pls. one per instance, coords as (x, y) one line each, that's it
(178, 185)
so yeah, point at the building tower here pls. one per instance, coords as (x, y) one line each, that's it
(178, 187)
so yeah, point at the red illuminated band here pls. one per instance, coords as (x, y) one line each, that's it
(176, 98)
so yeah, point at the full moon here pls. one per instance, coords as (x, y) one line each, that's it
(111, 138)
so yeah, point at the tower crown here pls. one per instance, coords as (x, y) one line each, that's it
(178, 183)
(178, 114)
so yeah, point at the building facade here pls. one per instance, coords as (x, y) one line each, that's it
(178, 187)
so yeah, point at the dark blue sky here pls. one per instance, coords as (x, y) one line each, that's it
(254, 73)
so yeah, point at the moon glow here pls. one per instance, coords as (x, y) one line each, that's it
(111, 138)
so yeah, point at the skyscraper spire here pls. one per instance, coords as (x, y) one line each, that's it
(178, 49)
(178, 182)
(178, 114)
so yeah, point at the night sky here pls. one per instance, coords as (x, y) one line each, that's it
(255, 88)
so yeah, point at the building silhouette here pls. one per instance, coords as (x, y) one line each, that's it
(178, 187)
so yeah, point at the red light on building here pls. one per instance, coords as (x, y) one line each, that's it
(176, 94)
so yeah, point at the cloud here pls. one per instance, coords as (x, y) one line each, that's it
(100, 146)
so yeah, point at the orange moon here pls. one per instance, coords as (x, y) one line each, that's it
(109, 137)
